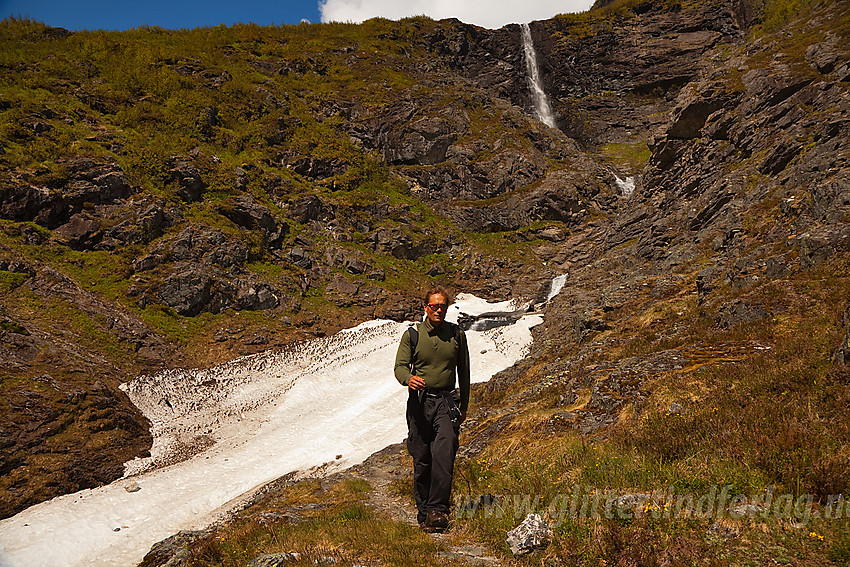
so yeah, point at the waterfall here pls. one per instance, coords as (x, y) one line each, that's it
(556, 286)
(541, 102)
(626, 186)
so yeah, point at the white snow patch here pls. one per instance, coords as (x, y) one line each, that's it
(468, 304)
(269, 414)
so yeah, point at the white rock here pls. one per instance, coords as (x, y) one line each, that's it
(531, 534)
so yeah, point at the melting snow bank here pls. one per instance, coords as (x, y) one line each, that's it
(255, 419)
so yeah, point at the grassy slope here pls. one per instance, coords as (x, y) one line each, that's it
(139, 97)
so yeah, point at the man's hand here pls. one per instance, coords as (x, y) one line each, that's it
(416, 383)
(462, 416)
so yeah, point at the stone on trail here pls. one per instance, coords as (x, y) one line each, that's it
(274, 560)
(531, 534)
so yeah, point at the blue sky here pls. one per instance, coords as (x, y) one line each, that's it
(176, 14)
(171, 14)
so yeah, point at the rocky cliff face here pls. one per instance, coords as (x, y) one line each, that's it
(744, 197)
(611, 74)
(305, 188)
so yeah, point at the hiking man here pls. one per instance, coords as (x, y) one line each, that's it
(429, 356)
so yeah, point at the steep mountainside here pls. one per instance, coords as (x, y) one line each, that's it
(180, 198)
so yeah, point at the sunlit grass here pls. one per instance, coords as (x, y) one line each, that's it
(335, 523)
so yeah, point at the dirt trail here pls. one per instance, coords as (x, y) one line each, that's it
(391, 467)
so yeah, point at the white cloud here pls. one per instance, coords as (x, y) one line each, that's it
(491, 14)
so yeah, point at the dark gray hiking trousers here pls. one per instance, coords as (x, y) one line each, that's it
(432, 442)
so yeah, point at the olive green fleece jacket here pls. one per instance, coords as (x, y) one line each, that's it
(438, 355)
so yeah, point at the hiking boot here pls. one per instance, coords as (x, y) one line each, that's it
(437, 520)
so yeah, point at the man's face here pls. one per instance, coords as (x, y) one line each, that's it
(435, 309)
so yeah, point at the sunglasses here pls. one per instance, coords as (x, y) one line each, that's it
(438, 306)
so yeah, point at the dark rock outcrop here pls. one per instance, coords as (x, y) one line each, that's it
(174, 550)
(739, 312)
(319, 168)
(407, 138)
(191, 291)
(310, 208)
(204, 246)
(87, 182)
(190, 184)
(247, 213)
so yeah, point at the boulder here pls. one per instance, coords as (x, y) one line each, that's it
(319, 168)
(310, 208)
(89, 183)
(204, 245)
(400, 308)
(247, 213)
(750, 510)
(398, 243)
(173, 551)
(187, 291)
(240, 180)
(79, 232)
(41, 127)
(824, 56)
(190, 184)
(355, 265)
(819, 246)
(341, 291)
(435, 270)
(147, 226)
(274, 560)
(735, 312)
(629, 505)
(300, 258)
(256, 296)
(16, 266)
(533, 533)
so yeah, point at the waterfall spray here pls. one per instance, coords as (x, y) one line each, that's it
(541, 102)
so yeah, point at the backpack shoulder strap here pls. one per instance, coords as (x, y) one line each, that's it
(414, 340)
